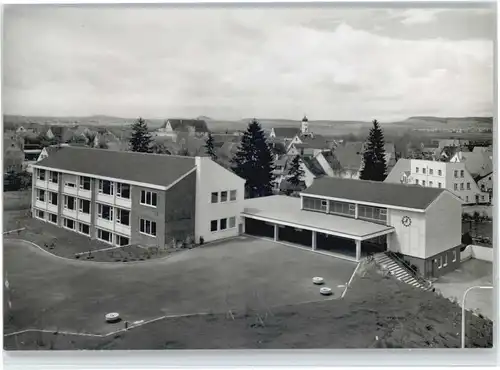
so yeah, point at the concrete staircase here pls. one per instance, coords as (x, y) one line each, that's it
(399, 272)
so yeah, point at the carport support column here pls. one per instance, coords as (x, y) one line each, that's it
(313, 243)
(358, 250)
(276, 231)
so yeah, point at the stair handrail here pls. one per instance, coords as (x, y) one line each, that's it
(408, 268)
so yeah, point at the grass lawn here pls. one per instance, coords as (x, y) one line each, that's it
(401, 316)
(239, 275)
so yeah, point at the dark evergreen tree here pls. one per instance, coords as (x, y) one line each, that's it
(295, 173)
(254, 162)
(140, 141)
(374, 165)
(209, 147)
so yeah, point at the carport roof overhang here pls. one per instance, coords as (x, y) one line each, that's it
(283, 210)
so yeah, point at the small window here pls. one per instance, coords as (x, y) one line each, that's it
(53, 218)
(53, 177)
(462, 186)
(148, 227)
(104, 235)
(213, 225)
(69, 202)
(84, 183)
(84, 228)
(70, 184)
(123, 190)
(40, 195)
(461, 173)
(440, 262)
(466, 198)
(53, 198)
(232, 195)
(69, 224)
(105, 212)
(105, 187)
(223, 223)
(455, 173)
(84, 206)
(232, 222)
(324, 203)
(123, 216)
(423, 170)
(148, 198)
(454, 254)
(416, 170)
(430, 183)
(41, 174)
(440, 172)
(445, 259)
(455, 186)
(416, 181)
(40, 214)
(122, 240)
(423, 182)
(215, 197)
(431, 171)
(223, 196)
(482, 197)
(468, 186)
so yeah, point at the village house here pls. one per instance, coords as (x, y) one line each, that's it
(442, 175)
(175, 127)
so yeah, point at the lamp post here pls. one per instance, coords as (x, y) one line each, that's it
(463, 308)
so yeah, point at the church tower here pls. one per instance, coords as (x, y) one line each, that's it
(304, 129)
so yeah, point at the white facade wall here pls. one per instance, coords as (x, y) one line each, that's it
(211, 177)
(409, 240)
(443, 224)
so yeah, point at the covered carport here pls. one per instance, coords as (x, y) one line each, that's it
(320, 232)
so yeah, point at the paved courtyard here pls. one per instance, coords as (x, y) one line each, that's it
(54, 293)
(471, 273)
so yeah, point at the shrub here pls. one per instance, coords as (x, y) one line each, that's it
(466, 238)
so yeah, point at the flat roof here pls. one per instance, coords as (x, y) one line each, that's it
(286, 210)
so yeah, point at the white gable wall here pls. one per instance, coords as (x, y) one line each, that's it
(409, 240)
(443, 224)
(211, 177)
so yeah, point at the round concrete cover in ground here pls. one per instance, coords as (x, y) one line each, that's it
(325, 291)
(318, 280)
(112, 316)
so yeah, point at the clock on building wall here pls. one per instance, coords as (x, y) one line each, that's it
(406, 221)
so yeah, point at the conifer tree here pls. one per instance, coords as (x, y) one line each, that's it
(209, 147)
(254, 162)
(295, 173)
(374, 165)
(140, 141)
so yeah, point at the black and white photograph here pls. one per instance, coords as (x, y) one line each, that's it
(248, 176)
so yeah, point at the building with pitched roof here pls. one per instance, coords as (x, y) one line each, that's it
(355, 216)
(124, 198)
(175, 126)
(453, 176)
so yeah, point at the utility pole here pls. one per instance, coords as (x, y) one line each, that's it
(463, 308)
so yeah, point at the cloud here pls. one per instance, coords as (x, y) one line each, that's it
(418, 16)
(233, 63)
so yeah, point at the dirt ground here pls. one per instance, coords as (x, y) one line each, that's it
(471, 273)
(399, 315)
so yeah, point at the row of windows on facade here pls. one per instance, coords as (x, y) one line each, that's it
(346, 209)
(145, 226)
(103, 211)
(431, 172)
(442, 261)
(221, 197)
(84, 228)
(222, 224)
(149, 198)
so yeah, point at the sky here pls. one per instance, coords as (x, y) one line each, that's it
(233, 62)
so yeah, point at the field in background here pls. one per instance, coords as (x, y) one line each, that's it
(16, 200)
